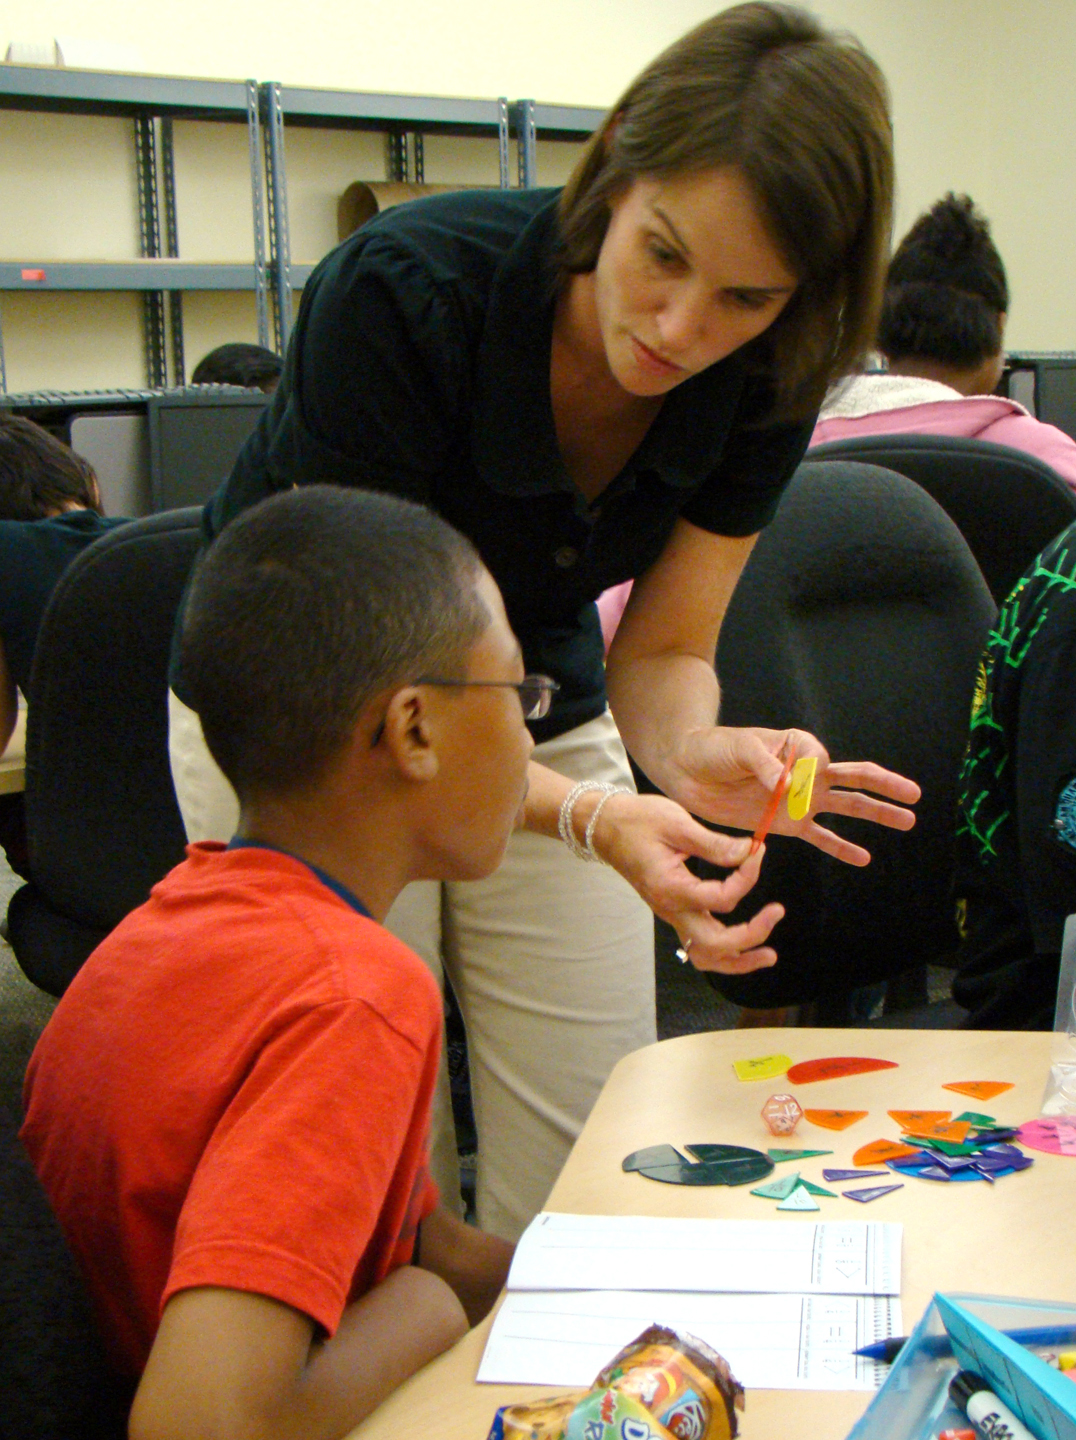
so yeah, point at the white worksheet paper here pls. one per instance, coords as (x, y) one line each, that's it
(772, 1342)
(642, 1252)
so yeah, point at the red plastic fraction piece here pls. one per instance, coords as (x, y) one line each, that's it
(979, 1089)
(835, 1119)
(913, 1119)
(834, 1067)
(880, 1150)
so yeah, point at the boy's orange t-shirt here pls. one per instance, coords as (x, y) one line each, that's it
(235, 1091)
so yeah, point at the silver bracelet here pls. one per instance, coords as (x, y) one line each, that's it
(592, 823)
(564, 819)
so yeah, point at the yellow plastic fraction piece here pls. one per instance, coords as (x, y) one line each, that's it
(802, 787)
(765, 1067)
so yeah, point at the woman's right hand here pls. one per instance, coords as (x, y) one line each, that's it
(648, 839)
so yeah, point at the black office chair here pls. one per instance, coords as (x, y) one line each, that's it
(1008, 505)
(103, 825)
(55, 1381)
(859, 617)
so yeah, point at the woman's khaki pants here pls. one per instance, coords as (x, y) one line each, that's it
(551, 959)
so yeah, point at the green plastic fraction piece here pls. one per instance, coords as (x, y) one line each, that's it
(818, 1190)
(950, 1147)
(799, 1200)
(981, 1122)
(778, 1155)
(778, 1189)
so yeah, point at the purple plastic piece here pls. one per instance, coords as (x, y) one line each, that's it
(911, 1162)
(1012, 1150)
(832, 1175)
(934, 1172)
(954, 1162)
(873, 1192)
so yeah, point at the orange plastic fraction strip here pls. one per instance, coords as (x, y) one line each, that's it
(834, 1067)
(913, 1119)
(878, 1151)
(769, 815)
(835, 1119)
(955, 1131)
(979, 1089)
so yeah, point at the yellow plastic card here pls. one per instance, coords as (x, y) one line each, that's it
(765, 1067)
(802, 787)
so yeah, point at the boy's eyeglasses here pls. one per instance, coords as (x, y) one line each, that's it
(535, 691)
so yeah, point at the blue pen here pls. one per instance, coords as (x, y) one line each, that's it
(887, 1350)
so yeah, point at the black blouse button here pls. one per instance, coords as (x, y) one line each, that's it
(565, 557)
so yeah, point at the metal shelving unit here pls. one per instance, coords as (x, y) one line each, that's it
(404, 119)
(152, 103)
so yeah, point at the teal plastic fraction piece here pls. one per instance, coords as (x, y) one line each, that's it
(778, 1155)
(818, 1190)
(778, 1189)
(718, 1164)
(979, 1121)
(799, 1200)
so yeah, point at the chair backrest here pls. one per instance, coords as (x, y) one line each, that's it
(55, 1381)
(1007, 504)
(860, 617)
(103, 825)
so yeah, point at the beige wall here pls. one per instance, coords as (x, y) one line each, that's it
(982, 95)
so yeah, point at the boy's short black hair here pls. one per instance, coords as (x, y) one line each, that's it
(946, 290)
(40, 475)
(238, 364)
(304, 607)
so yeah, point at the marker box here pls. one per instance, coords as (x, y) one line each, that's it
(913, 1403)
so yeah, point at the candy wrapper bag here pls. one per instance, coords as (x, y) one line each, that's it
(663, 1386)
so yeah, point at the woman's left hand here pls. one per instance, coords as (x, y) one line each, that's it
(728, 774)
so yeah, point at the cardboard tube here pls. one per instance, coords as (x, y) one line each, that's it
(363, 199)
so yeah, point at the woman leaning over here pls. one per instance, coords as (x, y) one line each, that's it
(612, 382)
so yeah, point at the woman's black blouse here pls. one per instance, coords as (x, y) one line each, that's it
(420, 364)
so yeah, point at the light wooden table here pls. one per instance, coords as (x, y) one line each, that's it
(1012, 1238)
(13, 760)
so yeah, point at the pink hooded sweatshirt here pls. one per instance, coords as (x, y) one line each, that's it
(905, 404)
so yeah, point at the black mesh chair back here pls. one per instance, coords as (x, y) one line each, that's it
(1008, 505)
(859, 617)
(103, 825)
(55, 1381)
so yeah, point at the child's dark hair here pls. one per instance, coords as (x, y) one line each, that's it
(946, 292)
(40, 475)
(305, 607)
(238, 364)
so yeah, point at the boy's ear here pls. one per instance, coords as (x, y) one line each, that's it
(408, 735)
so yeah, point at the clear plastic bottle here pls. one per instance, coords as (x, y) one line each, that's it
(1060, 1095)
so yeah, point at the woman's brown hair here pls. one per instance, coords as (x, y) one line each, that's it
(803, 114)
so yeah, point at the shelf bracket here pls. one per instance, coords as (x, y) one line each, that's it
(257, 199)
(502, 138)
(150, 243)
(171, 235)
(526, 148)
(277, 192)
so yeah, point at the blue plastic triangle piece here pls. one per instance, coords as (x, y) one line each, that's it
(873, 1192)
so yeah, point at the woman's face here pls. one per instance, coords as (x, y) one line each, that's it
(686, 275)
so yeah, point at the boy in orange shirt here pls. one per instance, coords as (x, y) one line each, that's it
(230, 1106)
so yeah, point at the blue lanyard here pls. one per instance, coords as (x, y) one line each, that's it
(237, 842)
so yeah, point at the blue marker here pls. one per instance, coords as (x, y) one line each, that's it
(887, 1350)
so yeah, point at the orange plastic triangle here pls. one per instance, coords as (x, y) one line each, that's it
(979, 1089)
(835, 1119)
(955, 1131)
(879, 1150)
(834, 1067)
(913, 1119)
